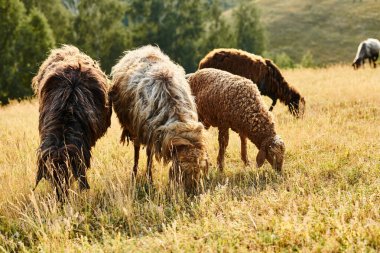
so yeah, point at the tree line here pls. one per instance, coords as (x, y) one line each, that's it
(103, 29)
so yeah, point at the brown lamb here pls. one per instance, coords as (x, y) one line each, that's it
(155, 108)
(74, 112)
(262, 72)
(228, 101)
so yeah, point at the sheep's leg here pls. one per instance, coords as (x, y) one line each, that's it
(273, 104)
(149, 163)
(244, 156)
(136, 161)
(223, 143)
(375, 57)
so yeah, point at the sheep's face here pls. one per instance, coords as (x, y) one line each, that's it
(301, 107)
(189, 166)
(58, 166)
(61, 180)
(56, 171)
(356, 64)
(273, 151)
(297, 105)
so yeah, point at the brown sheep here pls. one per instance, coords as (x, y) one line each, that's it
(155, 108)
(74, 112)
(262, 72)
(228, 101)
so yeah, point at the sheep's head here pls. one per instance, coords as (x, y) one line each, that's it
(60, 166)
(190, 164)
(56, 171)
(297, 105)
(356, 64)
(273, 150)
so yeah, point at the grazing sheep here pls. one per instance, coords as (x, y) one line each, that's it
(74, 113)
(228, 101)
(155, 108)
(368, 49)
(261, 71)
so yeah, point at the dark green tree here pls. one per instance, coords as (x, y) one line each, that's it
(175, 26)
(143, 19)
(99, 30)
(218, 32)
(25, 41)
(34, 39)
(248, 30)
(12, 12)
(182, 30)
(59, 18)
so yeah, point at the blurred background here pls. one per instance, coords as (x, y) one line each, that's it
(293, 33)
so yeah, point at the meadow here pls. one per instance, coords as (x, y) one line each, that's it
(326, 200)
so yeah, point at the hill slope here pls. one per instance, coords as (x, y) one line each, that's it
(330, 29)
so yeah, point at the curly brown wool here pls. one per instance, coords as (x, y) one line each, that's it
(228, 101)
(155, 108)
(74, 112)
(262, 72)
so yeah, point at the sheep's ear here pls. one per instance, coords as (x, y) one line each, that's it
(260, 158)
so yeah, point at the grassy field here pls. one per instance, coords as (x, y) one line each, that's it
(330, 30)
(326, 200)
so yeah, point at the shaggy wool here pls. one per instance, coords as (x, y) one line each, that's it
(74, 112)
(155, 108)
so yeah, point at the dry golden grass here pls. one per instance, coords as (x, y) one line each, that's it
(327, 200)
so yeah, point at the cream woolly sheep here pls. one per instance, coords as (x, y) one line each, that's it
(228, 101)
(155, 107)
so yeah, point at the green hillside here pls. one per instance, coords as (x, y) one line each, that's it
(330, 29)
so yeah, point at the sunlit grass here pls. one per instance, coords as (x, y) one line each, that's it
(326, 200)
